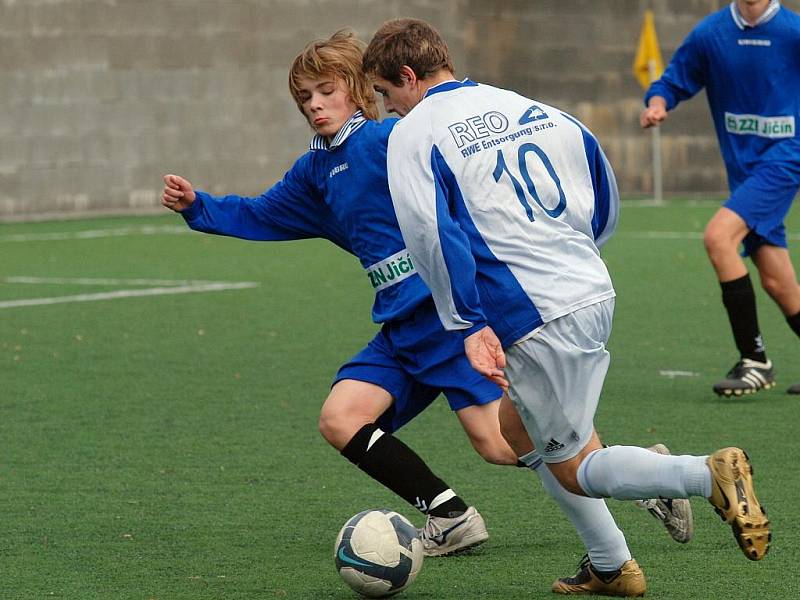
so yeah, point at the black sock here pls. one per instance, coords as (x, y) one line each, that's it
(740, 302)
(794, 323)
(454, 507)
(393, 464)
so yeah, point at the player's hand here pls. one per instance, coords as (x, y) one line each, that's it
(654, 114)
(485, 354)
(178, 193)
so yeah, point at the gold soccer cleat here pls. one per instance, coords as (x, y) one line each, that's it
(627, 581)
(734, 499)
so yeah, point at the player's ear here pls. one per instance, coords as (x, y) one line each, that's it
(407, 75)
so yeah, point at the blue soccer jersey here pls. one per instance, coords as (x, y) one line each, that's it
(503, 202)
(337, 192)
(752, 80)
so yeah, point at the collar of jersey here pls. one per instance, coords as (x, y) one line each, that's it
(446, 86)
(771, 11)
(319, 142)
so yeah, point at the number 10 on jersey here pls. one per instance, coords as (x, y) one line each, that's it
(522, 156)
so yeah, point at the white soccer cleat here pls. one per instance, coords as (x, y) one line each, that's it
(442, 536)
(674, 514)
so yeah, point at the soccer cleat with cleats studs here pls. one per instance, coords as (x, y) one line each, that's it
(627, 581)
(734, 499)
(674, 514)
(746, 377)
(442, 536)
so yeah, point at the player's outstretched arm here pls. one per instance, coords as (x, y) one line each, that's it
(655, 113)
(178, 193)
(485, 354)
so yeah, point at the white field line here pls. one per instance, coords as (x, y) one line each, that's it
(101, 281)
(660, 235)
(91, 234)
(675, 235)
(673, 374)
(167, 287)
(180, 230)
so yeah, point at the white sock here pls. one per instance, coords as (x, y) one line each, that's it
(604, 541)
(631, 473)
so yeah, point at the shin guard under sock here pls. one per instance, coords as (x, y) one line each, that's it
(396, 466)
(740, 303)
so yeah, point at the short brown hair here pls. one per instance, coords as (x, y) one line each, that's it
(409, 42)
(339, 57)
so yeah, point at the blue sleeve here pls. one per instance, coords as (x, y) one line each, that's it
(685, 75)
(292, 209)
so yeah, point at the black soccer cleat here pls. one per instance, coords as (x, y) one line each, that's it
(746, 377)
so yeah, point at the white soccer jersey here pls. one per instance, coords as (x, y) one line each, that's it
(503, 202)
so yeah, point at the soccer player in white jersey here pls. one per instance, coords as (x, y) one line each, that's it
(747, 57)
(502, 201)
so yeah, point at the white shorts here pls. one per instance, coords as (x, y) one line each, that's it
(555, 378)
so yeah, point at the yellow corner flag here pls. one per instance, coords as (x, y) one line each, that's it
(648, 65)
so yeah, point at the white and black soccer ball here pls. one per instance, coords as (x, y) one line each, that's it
(378, 553)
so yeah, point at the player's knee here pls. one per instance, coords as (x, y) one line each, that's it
(719, 241)
(568, 479)
(713, 241)
(772, 286)
(336, 427)
(573, 487)
(567, 474)
(327, 427)
(497, 452)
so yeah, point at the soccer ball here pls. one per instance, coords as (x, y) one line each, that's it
(377, 553)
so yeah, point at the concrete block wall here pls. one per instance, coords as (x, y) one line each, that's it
(578, 55)
(99, 98)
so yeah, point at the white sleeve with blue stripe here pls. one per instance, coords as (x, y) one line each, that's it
(606, 193)
(503, 202)
(420, 197)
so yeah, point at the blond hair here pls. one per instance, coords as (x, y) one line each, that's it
(339, 57)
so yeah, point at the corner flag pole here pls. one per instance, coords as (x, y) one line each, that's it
(658, 191)
(647, 67)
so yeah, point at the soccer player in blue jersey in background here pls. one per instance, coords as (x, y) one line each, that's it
(503, 201)
(747, 57)
(338, 191)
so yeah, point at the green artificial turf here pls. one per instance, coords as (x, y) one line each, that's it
(166, 447)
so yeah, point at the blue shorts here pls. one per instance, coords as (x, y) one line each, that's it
(415, 360)
(763, 200)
